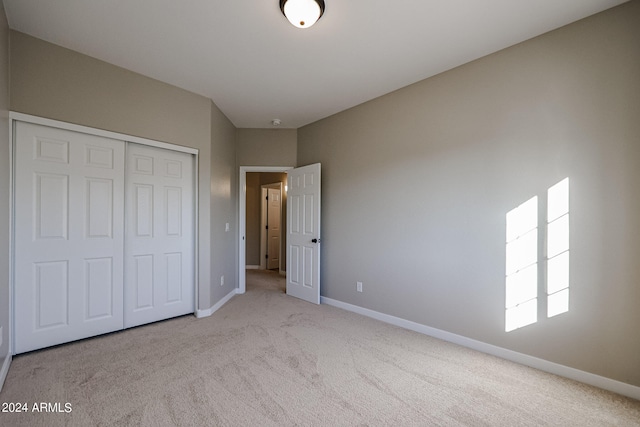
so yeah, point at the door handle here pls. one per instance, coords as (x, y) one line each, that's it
(315, 240)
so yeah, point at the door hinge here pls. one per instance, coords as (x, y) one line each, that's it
(266, 226)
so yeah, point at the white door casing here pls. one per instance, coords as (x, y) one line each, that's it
(303, 233)
(68, 236)
(159, 235)
(274, 206)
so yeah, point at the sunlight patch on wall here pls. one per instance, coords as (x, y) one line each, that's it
(558, 249)
(523, 267)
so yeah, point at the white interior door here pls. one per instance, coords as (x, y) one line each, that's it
(159, 246)
(69, 190)
(263, 226)
(273, 228)
(303, 233)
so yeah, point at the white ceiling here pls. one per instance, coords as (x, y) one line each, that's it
(246, 57)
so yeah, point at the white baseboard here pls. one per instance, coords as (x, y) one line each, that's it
(524, 359)
(209, 311)
(283, 273)
(252, 267)
(4, 370)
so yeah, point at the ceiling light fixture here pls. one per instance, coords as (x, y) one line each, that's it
(302, 13)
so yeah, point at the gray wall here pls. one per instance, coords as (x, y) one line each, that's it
(57, 83)
(266, 147)
(416, 185)
(224, 197)
(4, 184)
(253, 209)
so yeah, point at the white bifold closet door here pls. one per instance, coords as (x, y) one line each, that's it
(69, 236)
(159, 247)
(104, 235)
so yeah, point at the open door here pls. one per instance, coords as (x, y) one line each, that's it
(274, 206)
(270, 226)
(303, 233)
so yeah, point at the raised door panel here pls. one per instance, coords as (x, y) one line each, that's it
(51, 207)
(293, 271)
(99, 157)
(293, 203)
(173, 211)
(99, 288)
(174, 278)
(142, 283)
(51, 286)
(99, 200)
(143, 210)
(51, 150)
(308, 215)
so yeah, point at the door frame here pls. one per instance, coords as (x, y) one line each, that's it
(242, 216)
(28, 118)
(263, 219)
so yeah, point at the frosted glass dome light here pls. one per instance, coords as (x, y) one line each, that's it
(302, 13)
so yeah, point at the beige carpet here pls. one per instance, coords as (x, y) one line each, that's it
(266, 359)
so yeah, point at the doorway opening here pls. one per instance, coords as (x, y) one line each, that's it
(242, 229)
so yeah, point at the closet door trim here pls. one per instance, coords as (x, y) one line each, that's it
(99, 132)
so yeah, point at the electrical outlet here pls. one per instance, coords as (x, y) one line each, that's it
(359, 286)
(226, 227)
(222, 280)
